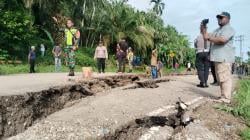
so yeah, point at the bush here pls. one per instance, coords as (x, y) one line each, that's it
(85, 57)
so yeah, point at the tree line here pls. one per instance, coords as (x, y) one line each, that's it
(29, 22)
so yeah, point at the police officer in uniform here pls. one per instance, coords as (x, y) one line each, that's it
(202, 55)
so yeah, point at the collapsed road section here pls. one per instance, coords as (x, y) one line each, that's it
(18, 112)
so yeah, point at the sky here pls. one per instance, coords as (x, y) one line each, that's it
(186, 16)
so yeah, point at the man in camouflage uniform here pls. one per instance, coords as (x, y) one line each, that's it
(72, 38)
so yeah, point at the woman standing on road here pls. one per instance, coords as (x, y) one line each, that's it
(101, 54)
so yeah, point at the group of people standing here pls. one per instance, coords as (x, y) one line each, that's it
(123, 54)
(216, 50)
(72, 38)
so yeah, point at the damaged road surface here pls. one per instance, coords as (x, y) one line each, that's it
(117, 111)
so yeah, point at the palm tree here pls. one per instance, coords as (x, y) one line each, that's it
(158, 6)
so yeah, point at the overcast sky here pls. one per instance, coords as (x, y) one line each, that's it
(186, 16)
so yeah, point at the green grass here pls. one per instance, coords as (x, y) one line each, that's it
(43, 68)
(241, 106)
(245, 134)
(170, 70)
(20, 69)
(242, 98)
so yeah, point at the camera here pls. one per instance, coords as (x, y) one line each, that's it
(204, 22)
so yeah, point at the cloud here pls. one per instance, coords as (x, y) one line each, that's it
(186, 15)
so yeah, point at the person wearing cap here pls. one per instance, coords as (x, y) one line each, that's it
(222, 53)
(202, 56)
(31, 59)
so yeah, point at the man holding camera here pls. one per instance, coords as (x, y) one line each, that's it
(202, 55)
(222, 53)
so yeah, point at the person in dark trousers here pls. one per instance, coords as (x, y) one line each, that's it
(120, 56)
(31, 59)
(215, 83)
(124, 48)
(101, 54)
(202, 57)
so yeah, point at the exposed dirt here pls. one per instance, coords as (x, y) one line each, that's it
(209, 124)
(146, 84)
(225, 125)
(92, 117)
(20, 111)
(134, 130)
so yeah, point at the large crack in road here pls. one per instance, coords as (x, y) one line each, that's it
(19, 112)
(122, 108)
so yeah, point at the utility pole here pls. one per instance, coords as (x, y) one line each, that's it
(240, 39)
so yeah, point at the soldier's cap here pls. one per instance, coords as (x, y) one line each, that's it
(223, 14)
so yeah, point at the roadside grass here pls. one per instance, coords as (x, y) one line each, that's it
(241, 106)
(41, 68)
(24, 68)
(7, 69)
